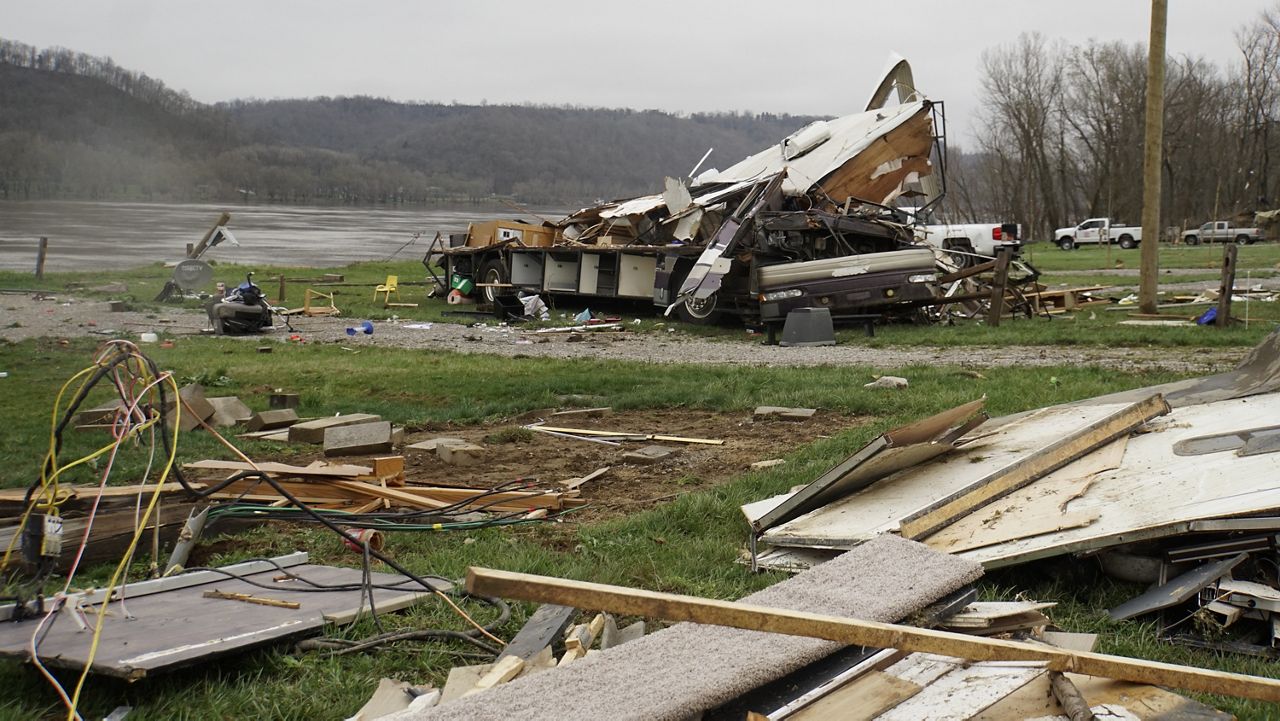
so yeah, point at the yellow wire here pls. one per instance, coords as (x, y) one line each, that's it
(138, 532)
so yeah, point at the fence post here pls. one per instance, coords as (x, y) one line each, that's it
(41, 252)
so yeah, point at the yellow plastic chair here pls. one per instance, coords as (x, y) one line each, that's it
(389, 287)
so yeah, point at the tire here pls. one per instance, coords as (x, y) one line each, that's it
(1127, 242)
(1067, 243)
(1193, 240)
(963, 257)
(1243, 240)
(705, 312)
(492, 271)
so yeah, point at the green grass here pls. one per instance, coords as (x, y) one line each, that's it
(1049, 258)
(686, 546)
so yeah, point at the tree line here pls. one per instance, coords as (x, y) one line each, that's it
(79, 126)
(1061, 134)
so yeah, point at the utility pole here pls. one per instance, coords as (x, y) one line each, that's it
(1152, 157)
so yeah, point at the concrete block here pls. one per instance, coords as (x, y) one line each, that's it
(98, 416)
(195, 407)
(460, 454)
(268, 420)
(283, 400)
(430, 446)
(649, 455)
(313, 431)
(397, 435)
(228, 411)
(358, 439)
(788, 414)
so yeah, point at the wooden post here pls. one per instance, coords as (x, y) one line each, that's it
(280, 295)
(204, 242)
(998, 284)
(1228, 284)
(1153, 140)
(857, 632)
(41, 251)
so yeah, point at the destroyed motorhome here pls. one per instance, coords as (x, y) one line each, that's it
(808, 223)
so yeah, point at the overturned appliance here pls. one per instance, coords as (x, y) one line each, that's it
(805, 223)
(242, 311)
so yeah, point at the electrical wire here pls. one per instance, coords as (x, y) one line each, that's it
(136, 377)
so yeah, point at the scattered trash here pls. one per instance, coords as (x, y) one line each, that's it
(148, 337)
(584, 316)
(887, 382)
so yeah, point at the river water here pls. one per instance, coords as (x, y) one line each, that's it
(88, 235)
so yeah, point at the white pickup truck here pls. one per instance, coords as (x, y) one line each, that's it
(1098, 231)
(1221, 231)
(985, 239)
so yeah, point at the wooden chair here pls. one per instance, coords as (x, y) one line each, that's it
(388, 288)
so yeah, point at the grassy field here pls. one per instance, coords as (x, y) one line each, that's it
(688, 545)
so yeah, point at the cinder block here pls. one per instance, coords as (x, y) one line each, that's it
(460, 454)
(268, 420)
(649, 455)
(283, 400)
(195, 407)
(359, 439)
(228, 411)
(98, 416)
(788, 414)
(313, 431)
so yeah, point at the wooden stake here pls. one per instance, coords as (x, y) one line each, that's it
(261, 601)
(856, 632)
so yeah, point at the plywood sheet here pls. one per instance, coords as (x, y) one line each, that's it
(1028, 511)
(181, 627)
(1155, 493)
(879, 508)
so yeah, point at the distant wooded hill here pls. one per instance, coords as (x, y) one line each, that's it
(79, 126)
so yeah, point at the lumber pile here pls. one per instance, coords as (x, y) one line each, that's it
(380, 486)
(112, 526)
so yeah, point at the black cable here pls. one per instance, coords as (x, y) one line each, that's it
(367, 577)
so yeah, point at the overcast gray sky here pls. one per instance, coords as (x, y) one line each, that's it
(786, 57)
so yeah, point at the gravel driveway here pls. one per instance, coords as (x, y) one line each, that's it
(64, 317)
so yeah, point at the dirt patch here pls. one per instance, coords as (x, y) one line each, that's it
(627, 487)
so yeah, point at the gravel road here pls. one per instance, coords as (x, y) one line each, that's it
(24, 317)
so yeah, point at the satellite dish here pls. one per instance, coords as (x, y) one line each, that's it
(192, 274)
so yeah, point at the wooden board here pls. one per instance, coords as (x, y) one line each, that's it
(178, 628)
(893, 451)
(282, 469)
(675, 607)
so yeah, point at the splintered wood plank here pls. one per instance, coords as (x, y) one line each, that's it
(964, 692)
(862, 699)
(982, 614)
(461, 680)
